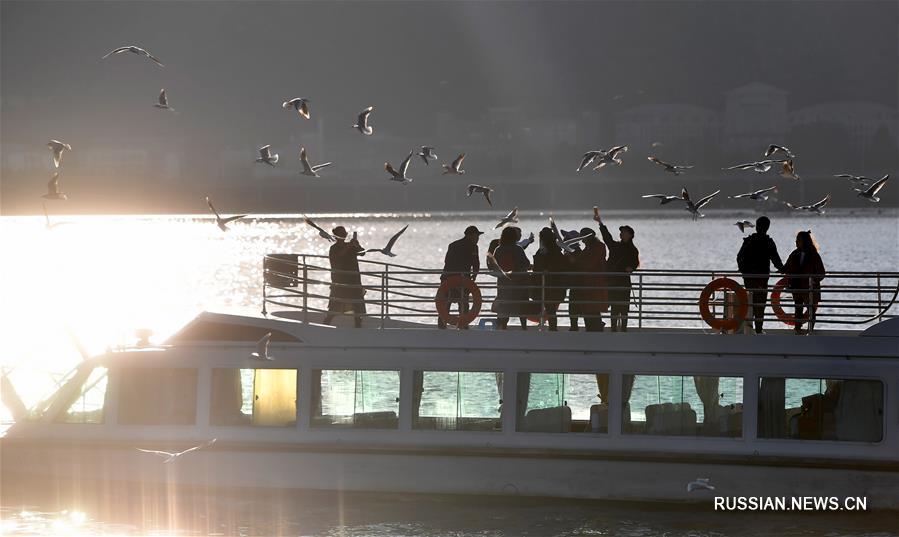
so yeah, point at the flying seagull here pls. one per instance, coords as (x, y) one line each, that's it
(743, 224)
(362, 122)
(455, 167)
(701, 483)
(163, 101)
(427, 153)
(761, 166)
(775, 148)
(757, 195)
(54, 225)
(788, 171)
(401, 174)
(307, 168)
(663, 199)
(299, 104)
(222, 223)
(564, 240)
(262, 348)
(135, 50)
(266, 156)
(53, 192)
(480, 189)
(861, 179)
(870, 193)
(695, 207)
(671, 168)
(602, 157)
(387, 250)
(814, 207)
(524, 243)
(57, 148)
(493, 268)
(321, 232)
(172, 457)
(511, 218)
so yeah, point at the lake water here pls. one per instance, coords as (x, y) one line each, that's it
(102, 277)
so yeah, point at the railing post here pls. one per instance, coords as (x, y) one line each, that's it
(879, 304)
(264, 312)
(640, 302)
(811, 305)
(305, 291)
(543, 300)
(384, 303)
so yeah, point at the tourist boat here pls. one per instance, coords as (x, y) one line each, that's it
(660, 412)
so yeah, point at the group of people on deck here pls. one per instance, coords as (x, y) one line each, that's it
(594, 274)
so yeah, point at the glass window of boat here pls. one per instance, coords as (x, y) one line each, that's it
(681, 405)
(820, 409)
(157, 396)
(356, 398)
(457, 400)
(562, 402)
(90, 400)
(263, 397)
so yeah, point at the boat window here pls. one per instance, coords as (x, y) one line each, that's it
(821, 409)
(157, 396)
(88, 407)
(682, 405)
(457, 401)
(562, 402)
(263, 397)
(362, 399)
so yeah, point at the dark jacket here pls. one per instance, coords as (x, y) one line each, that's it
(346, 282)
(551, 262)
(799, 264)
(757, 254)
(623, 257)
(588, 294)
(461, 257)
(512, 293)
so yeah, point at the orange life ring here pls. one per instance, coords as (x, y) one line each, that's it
(741, 307)
(457, 281)
(776, 291)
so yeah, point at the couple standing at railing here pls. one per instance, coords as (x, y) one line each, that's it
(522, 294)
(757, 255)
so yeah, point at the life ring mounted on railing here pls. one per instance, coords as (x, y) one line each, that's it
(441, 300)
(776, 292)
(741, 306)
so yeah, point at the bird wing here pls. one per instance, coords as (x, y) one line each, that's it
(165, 454)
(684, 194)
(458, 162)
(472, 189)
(405, 165)
(303, 108)
(617, 149)
(315, 226)
(821, 203)
(703, 201)
(393, 239)
(304, 161)
(262, 345)
(154, 58)
(762, 191)
(390, 169)
(232, 218)
(875, 188)
(201, 446)
(555, 229)
(211, 208)
(659, 162)
(742, 166)
(53, 184)
(846, 176)
(363, 117)
(114, 51)
(487, 195)
(771, 149)
(660, 196)
(320, 166)
(588, 158)
(746, 194)
(265, 152)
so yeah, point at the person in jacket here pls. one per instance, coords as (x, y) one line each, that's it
(754, 260)
(512, 293)
(624, 258)
(549, 286)
(805, 269)
(461, 259)
(588, 296)
(347, 293)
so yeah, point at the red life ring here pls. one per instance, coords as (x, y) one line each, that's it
(776, 291)
(741, 306)
(440, 300)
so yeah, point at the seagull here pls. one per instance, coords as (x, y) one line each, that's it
(602, 157)
(524, 243)
(51, 227)
(565, 240)
(172, 457)
(387, 250)
(870, 193)
(589, 157)
(701, 483)
(163, 101)
(695, 207)
(362, 122)
(743, 224)
(53, 192)
(135, 50)
(775, 148)
(58, 147)
(494, 269)
(761, 166)
(671, 168)
(262, 348)
(788, 171)
(455, 167)
(757, 195)
(511, 218)
(427, 153)
(265, 156)
(480, 189)
(663, 199)
(307, 168)
(401, 174)
(814, 207)
(861, 179)
(222, 223)
(321, 232)
(299, 104)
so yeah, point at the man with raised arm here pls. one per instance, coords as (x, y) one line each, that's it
(624, 258)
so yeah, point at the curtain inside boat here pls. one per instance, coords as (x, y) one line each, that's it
(627, 386)
(522, 390)
(707, 388)
(772, 401)
(602, 387)
(227, 398)
(275, 397)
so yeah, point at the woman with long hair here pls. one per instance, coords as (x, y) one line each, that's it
(549, 286)
(512, 292)
(805, 270)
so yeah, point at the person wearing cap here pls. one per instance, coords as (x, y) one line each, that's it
(347, 293)
(754, 260)
(588, 297)
(461, 259)
(624, 258)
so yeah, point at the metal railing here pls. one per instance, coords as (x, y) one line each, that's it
(654, 298)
